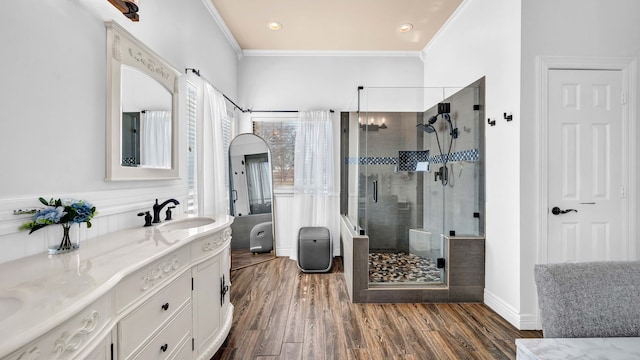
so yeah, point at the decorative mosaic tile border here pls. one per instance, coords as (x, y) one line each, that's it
(408, 160)
(465, 155)
(411, 156)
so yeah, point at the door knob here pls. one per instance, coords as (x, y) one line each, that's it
(556, 211)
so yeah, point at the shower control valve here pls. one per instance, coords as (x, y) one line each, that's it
(441, 174)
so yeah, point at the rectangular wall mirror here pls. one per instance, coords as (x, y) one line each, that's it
(142, 111)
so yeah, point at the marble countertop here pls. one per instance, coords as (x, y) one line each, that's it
(40, 292)
(621, 348)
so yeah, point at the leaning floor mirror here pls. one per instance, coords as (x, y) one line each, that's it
(251, 201)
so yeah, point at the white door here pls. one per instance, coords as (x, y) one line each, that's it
(585, 159)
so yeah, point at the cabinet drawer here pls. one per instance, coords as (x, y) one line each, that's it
(137, 327)
(167, 343)
(145, 280)
(209, 245)
(184, 352)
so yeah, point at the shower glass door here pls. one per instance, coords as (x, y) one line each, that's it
(405, 239)
(415, 178)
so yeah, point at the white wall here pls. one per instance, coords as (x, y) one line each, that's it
(483, 39)
(502, 39)
(320, 82)
(270, 82)
(585, 28)
(52, 105)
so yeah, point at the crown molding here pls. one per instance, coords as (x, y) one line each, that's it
(353, 53)
(223, 26)
(444, 27)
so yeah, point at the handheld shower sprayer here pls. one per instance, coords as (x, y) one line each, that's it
(444, 112)
(452, 131)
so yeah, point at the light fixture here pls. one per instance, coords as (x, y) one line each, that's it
(274, 25)
(405, 28)
(373, 125)
(128, 8)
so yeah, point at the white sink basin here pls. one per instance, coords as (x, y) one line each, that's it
(9, 306)
(186, 223)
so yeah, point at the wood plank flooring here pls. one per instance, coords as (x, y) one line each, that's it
(244, 258)
(282, 313)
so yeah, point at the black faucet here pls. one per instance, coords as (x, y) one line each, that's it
(157, 208)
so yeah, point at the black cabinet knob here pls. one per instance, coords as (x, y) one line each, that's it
(165, 306)
(164, 347)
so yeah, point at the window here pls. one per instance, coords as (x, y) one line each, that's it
(280, 135)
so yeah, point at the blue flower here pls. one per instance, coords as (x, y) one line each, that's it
(84, 211)
(61, 211)
(49, 215)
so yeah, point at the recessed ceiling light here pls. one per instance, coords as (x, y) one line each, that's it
(405, 28)
(274, 25)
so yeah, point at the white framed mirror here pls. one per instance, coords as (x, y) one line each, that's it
(142, 111)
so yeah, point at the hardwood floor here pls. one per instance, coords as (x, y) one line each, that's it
(244, 258)
(282, 313)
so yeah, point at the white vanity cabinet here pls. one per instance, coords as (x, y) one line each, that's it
(186, 315)
(102, 351)
(74, 338)
(211, 320)
(162, 315)
(164, 297)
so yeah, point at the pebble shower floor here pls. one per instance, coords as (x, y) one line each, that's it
(402, 267)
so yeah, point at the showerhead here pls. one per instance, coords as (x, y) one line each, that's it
(428, 128)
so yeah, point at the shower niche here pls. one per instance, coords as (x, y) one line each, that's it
(413, 179)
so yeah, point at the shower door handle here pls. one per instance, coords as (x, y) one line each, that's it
(375, 191)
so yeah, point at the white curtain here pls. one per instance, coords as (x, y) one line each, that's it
(315, 200)
(258, 172)
(155, 149)
(211, 169)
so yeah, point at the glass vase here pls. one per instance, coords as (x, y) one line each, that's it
(66, 245)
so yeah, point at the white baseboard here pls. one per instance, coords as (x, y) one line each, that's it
(285, 252)
(520, 321)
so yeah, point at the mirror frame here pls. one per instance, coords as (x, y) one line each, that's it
(124, 49)
(273, 204)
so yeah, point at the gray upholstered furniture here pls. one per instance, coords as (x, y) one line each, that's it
(589, 299)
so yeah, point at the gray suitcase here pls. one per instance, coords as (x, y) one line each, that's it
(261, 238)
(315, 249)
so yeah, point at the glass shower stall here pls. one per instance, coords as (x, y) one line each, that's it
(413, 178)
